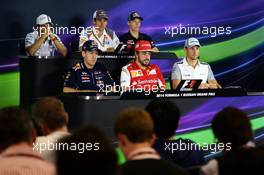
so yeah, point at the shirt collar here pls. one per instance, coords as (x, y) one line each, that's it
(134, 64)
(249, 144)
(143, 153)
(187, 64)
(55, 133)
(94, 31)
(130, 35)
(83, 66)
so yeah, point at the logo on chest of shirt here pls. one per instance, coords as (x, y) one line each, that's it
(130, 42)
(97, 72)
(99, 77)
(150, 81)
(134, 83)
(85, 77)
(99, 82)
(152, 72)
(136, 73)
(107, 42)
(186, 75)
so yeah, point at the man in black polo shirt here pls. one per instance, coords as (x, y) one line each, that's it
(133, 35)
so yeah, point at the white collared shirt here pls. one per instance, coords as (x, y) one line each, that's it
(48, 143)
(104, 42)
(46, 49)
(183, 71)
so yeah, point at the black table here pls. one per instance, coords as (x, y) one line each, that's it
(97, 109)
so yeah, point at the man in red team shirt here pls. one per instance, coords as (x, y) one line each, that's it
(140, 75)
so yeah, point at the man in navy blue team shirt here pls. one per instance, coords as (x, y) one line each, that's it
(88, 75)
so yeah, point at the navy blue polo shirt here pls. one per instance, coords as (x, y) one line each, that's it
(81, 78)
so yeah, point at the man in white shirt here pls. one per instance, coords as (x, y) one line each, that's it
(191, 67)
(51, 117)
(42, 42)
(105, 38)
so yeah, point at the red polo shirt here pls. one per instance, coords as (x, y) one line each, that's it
(134, 77)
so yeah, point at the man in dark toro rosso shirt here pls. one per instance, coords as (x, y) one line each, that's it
(88, 75)
(134, 35)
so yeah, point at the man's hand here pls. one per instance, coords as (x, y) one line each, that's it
(213, 86)
(52, 36)
(45, 32)
(204, 86)
(111, 49)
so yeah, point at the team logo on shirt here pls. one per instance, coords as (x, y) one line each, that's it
(152, 72)
(134, 83)
(99, 82)
(85, 78)
(98, 77)
(130, 42)
(77, 66)
(136, 73)
(97, 72)
(107, 42)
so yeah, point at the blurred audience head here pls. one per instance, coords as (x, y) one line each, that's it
(165, 115)
(15, 127)
(50, 115)
(90, 152)
(134, 127)
(231, 125)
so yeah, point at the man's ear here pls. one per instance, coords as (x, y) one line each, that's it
(45, 130)
(67, 117)
(122, 139)
(136, 55)
(153, 139)
(83, 54)
(185, 50)
(34, 135)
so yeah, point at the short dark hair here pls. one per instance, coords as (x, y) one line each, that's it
(15, 126)
(102, 161)
(135, 123)
(231, 125)
(50, 111)
(165, 115)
